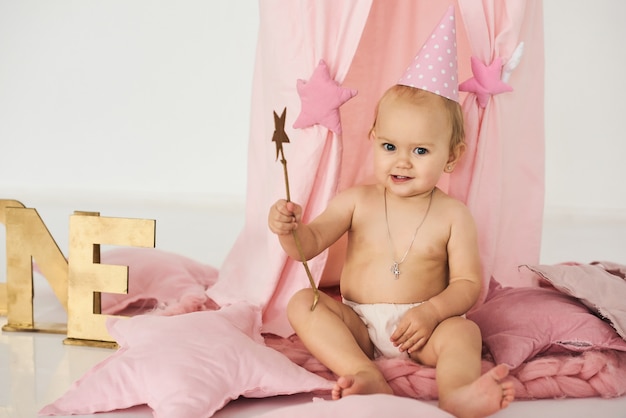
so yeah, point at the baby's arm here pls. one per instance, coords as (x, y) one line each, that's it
(286, 217)
(465, 275)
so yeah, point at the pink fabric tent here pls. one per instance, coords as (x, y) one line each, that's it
(367, 45)
(501, 178)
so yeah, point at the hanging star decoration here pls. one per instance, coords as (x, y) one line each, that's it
(486, 82)
(320, 99)
(279, 138)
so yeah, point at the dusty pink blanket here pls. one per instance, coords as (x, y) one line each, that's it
(589, 374)
(179, 284)
(596, 372)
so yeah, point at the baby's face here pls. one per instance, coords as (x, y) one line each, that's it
(411, 144)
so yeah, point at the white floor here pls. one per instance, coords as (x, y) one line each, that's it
(36, 368)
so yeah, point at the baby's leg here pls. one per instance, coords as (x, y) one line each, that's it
(455, 350)
(337, 337)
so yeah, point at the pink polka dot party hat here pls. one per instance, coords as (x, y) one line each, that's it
(434, 68)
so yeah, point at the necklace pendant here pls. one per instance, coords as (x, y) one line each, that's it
(395, 269)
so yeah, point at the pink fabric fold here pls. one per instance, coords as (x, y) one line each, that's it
(501, 176)
(293, 37)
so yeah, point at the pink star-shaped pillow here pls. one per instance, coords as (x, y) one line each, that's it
(186, 365)
(486, 81)
(320, 99)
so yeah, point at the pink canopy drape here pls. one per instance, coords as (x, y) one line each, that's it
(294, 35)
(367, 45)
(501, 177)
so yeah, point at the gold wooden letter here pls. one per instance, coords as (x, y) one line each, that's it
(87, 278)
(26, 238)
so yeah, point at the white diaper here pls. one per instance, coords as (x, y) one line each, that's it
(380, 320)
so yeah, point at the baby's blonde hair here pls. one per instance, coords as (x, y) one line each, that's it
(415, 95)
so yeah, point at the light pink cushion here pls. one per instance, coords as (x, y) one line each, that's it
(520, 323)
(156, 279)
(361, 406)
(601, 287)
(187, 365)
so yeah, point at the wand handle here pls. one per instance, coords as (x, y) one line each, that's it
(284, 161)
(297, 241)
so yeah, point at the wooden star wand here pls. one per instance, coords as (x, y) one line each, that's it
(279, 138)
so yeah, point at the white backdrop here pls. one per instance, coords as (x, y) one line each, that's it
(584, 101)
(125, 97)
(150, 98)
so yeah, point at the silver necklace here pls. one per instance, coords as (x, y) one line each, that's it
(395, 267)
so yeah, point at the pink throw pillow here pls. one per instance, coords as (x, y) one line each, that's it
(362, 406)
(519, 323)
(600, 286)
(186, 365)
(156, 279)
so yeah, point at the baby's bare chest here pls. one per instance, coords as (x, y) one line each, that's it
(402, 270)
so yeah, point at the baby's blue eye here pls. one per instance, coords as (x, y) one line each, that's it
(389, 147)
(420, 151)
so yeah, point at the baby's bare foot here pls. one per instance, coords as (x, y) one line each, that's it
(365, 382)
(485, 396)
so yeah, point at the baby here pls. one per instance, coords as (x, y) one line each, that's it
(412, 268)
